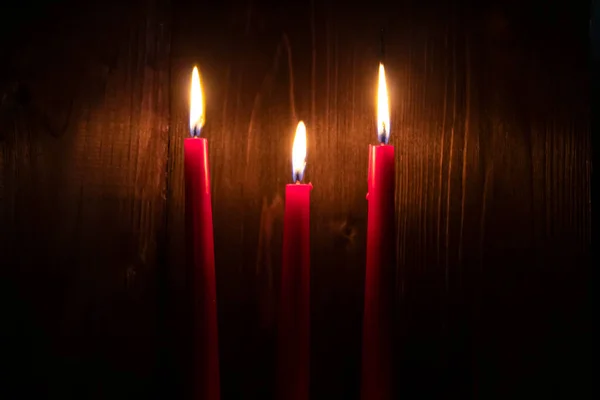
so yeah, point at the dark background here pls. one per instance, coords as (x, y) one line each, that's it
(491, 122)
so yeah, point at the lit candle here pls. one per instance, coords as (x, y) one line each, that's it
(377, 320)
(200, 248)
(294, 314)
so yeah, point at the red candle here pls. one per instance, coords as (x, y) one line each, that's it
(379, 282)
(201, 255)
(294, 307)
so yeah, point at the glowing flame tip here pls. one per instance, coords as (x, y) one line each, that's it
(196, 104)
(383, 108)
(299, 152)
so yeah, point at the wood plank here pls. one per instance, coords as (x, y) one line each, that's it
(493, 192)
(83, 193)
(493, 171)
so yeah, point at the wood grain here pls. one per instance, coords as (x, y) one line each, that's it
(490, 120)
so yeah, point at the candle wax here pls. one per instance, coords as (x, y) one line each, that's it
(201, 258)
(379, 278)
(294, 314)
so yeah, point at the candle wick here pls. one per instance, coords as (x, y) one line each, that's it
(195, 132)
(383, 135)
(297, 177)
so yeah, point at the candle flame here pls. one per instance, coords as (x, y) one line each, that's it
(299, 152)
(383, 108)
(196, 105)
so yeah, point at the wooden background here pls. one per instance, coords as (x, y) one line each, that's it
(491, 123)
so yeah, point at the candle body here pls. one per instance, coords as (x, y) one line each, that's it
(294, 308)
(201, 259)
(379, 279)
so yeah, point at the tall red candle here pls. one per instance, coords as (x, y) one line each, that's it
(201, 255)
(294, 308)
(379, 283)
